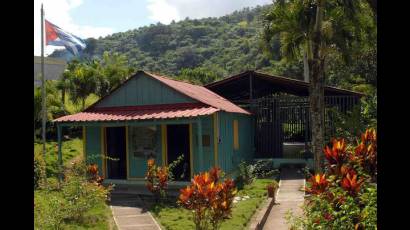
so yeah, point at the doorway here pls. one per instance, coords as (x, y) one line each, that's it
(116, 149)
(178, 144)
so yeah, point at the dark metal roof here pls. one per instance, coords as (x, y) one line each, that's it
(237, 87)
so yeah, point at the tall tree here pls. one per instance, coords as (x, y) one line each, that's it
(82, 83)
(111, 71)
(317, 27)
(316, 90)
(63, 84)
(292, 22)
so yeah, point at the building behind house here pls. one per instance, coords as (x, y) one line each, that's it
(53, 69)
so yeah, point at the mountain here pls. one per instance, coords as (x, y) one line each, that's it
(226, 45)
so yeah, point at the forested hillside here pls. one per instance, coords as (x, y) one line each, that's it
(228, 45)
(225, 45)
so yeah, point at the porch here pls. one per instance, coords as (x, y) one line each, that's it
(122, 148)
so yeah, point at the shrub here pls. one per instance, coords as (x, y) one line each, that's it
(53, 184)
(272, 187)
(156, 179)
(365, 154)
(81, 196)
(70, 199)
(51, 216)
(92, 174)
(246, 174)
(39, 170)
(317, 184)
(78, 168)
(343, 197)
(264, 169)
(209, 199)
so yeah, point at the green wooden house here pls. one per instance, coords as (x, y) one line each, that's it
(153, 116)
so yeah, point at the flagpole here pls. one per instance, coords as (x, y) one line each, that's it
(43, 86)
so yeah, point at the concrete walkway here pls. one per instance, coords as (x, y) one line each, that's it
(129, 213)
(289, 197)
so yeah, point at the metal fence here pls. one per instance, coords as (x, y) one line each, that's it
(286, 118)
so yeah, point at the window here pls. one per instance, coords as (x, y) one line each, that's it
(235, 135)
(143, 141)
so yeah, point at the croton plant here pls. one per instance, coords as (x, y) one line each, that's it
(344, 197)
(92, 174)
(156, 179)
(209, 199)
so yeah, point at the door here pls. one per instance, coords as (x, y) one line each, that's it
(116, 153)
(268, 133)
(178, 144)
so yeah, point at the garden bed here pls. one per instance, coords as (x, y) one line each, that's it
(172, 217)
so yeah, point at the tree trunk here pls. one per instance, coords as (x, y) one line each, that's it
(305, 66)
(316, 99)
(316, 94)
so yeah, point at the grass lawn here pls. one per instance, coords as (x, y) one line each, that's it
(99, 217)
(174, 218)
(71, 149)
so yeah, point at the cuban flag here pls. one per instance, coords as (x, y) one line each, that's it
(55, 36)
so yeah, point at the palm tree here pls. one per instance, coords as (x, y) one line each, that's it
(112, 70)
(305, 30)
(82, 83)
(293, 22)
(65, 81)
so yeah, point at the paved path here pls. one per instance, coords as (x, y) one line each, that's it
(289, 197)
(129, 213)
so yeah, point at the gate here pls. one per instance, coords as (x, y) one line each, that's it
(285, 118)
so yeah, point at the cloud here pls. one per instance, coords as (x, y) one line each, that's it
(162, 11)
(165, 11)
(58, 12)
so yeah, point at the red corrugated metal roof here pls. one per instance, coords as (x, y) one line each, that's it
(201, 94)
(196, 92)
(145, 112)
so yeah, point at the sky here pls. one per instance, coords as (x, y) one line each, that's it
(98, 18)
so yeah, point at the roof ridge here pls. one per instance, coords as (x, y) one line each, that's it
(277, 78)
(151, 107)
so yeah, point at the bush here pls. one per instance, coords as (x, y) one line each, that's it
(70, 199)
(53, 184)
(50, 215)
(264, 169)
(92, 174)
(344, 197)
(156, 179)
(272, 187)
(209, 199)
(39, 170)
(81, 196)
(246, 174)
